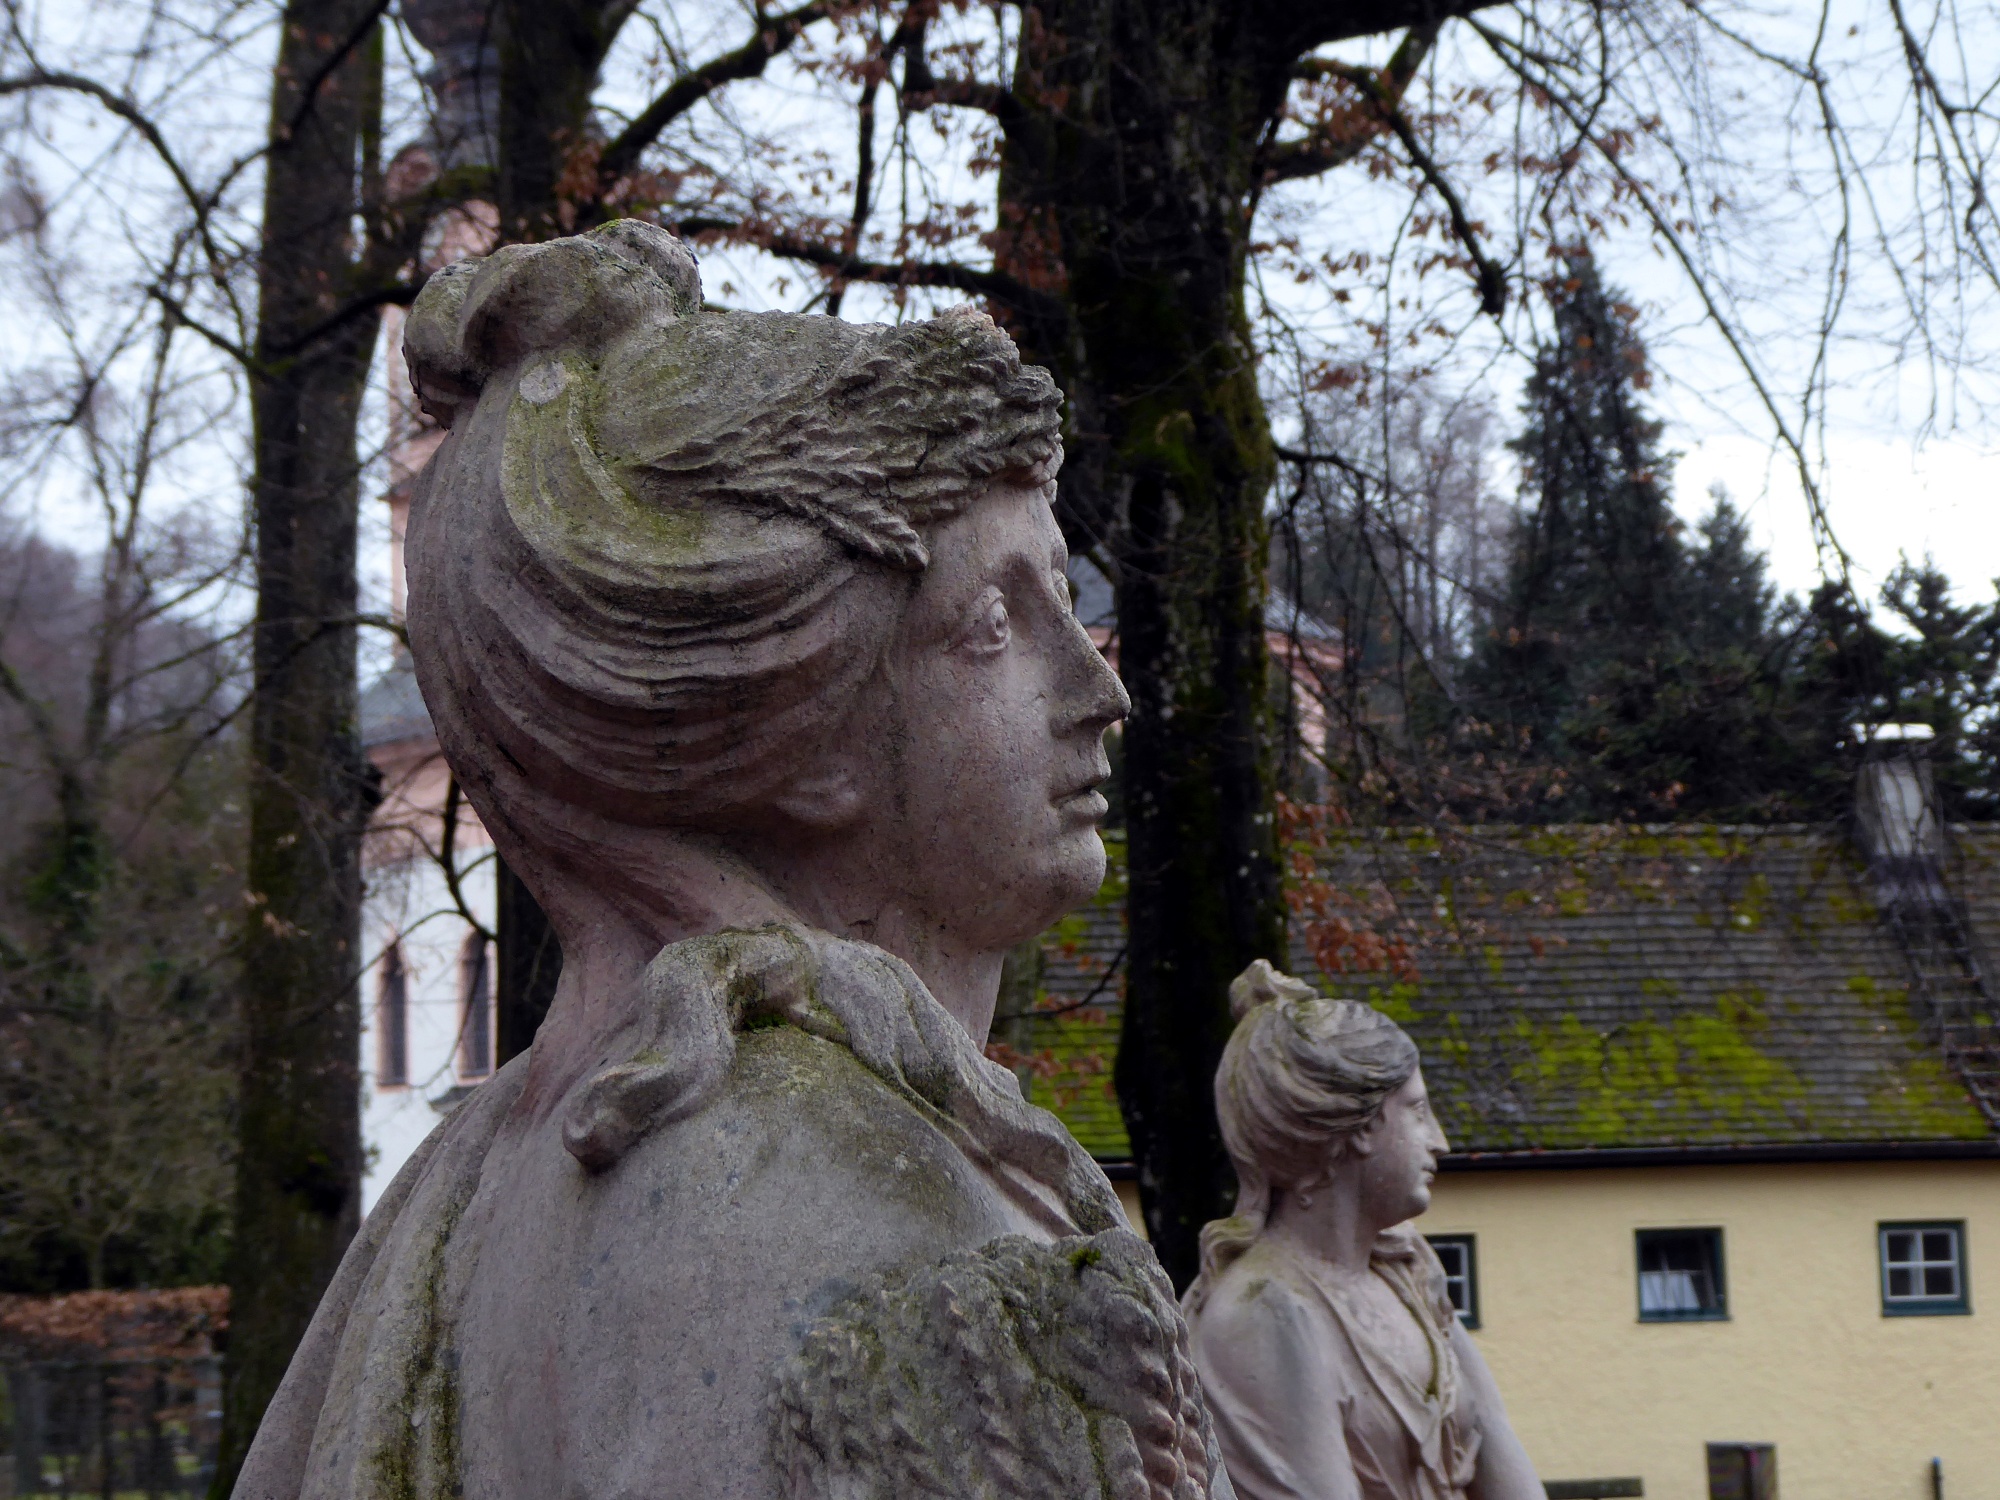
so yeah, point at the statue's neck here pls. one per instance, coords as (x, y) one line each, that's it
(965, 982)
(1328, 1221)
(614, 905)
(614, 917)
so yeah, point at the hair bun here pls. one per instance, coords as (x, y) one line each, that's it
(1260, 984)
(476, 318)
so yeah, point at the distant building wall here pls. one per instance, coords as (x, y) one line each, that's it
(1857, 1403)
(410, 905)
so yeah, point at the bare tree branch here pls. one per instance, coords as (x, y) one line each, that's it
(447, 859)
(864, 178)
(922, 89)
(997, 285)
(1663, 226)
(124, 109)
(1492, 279)
(1284, 161)
(187, 320)
(1318, 23)
(1384, 89)
(774, 35)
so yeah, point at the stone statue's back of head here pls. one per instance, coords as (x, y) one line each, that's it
(1301, 1073)
(663, 546)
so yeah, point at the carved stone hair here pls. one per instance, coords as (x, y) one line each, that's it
(1300, 1075)
(658, 553)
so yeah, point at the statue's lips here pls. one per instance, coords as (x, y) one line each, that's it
(1089, 782)
(1086, 803)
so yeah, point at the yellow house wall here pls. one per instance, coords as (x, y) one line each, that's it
(1128, 1197)
(1857, 1403)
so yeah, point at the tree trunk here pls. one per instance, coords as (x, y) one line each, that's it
(298, 1197)
(1129, 179)
(529, 964)
(550, 53)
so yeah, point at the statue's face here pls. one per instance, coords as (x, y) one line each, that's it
(975, 805)
(1000, 703)
(1403, 1146)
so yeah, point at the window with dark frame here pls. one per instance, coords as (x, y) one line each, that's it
(1457, 1254)
(1680, 1276)
(1742, 1471)
(1923, 1269)
(392, 1021)
(475, 994)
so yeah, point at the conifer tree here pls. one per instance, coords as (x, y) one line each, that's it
(1596, 559)
(1642, 673)
(1923, 658)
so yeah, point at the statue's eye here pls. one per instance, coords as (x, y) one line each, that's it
(990, 629)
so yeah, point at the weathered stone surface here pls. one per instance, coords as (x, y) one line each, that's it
(1020, 1369)
(747, 637)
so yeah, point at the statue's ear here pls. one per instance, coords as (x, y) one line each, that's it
(827, 795)
(1365, 1141)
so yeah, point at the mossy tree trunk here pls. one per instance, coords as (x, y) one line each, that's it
(298, 1186)
(1134, 171)
(1134, 138)
(550, 54)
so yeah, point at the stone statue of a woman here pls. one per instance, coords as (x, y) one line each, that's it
(748, 637)
(1333, 1364)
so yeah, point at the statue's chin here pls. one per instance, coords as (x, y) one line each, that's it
(1076, 870)
(1018, 899)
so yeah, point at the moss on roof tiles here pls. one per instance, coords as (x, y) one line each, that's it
(1072, 1042)
(1608, 986)
(1077, 1086)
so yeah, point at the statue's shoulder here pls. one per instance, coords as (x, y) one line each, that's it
(325, 1422)
(1259, 1328)
(802, 1134)
(1263, 1285)
(834, 1051)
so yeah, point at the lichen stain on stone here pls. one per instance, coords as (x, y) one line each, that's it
(421, 1458)
(561, 492)
(830, 1092)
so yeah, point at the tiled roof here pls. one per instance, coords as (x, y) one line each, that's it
(1610, 987)
(392, 709)
(1074, 1037)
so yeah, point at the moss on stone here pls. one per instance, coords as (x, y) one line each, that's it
(420, 1459)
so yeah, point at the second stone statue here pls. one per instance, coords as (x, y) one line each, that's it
(748, 637)
(1331, 1357)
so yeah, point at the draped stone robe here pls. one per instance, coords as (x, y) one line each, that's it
(1301, 1395)
(654, 1286)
